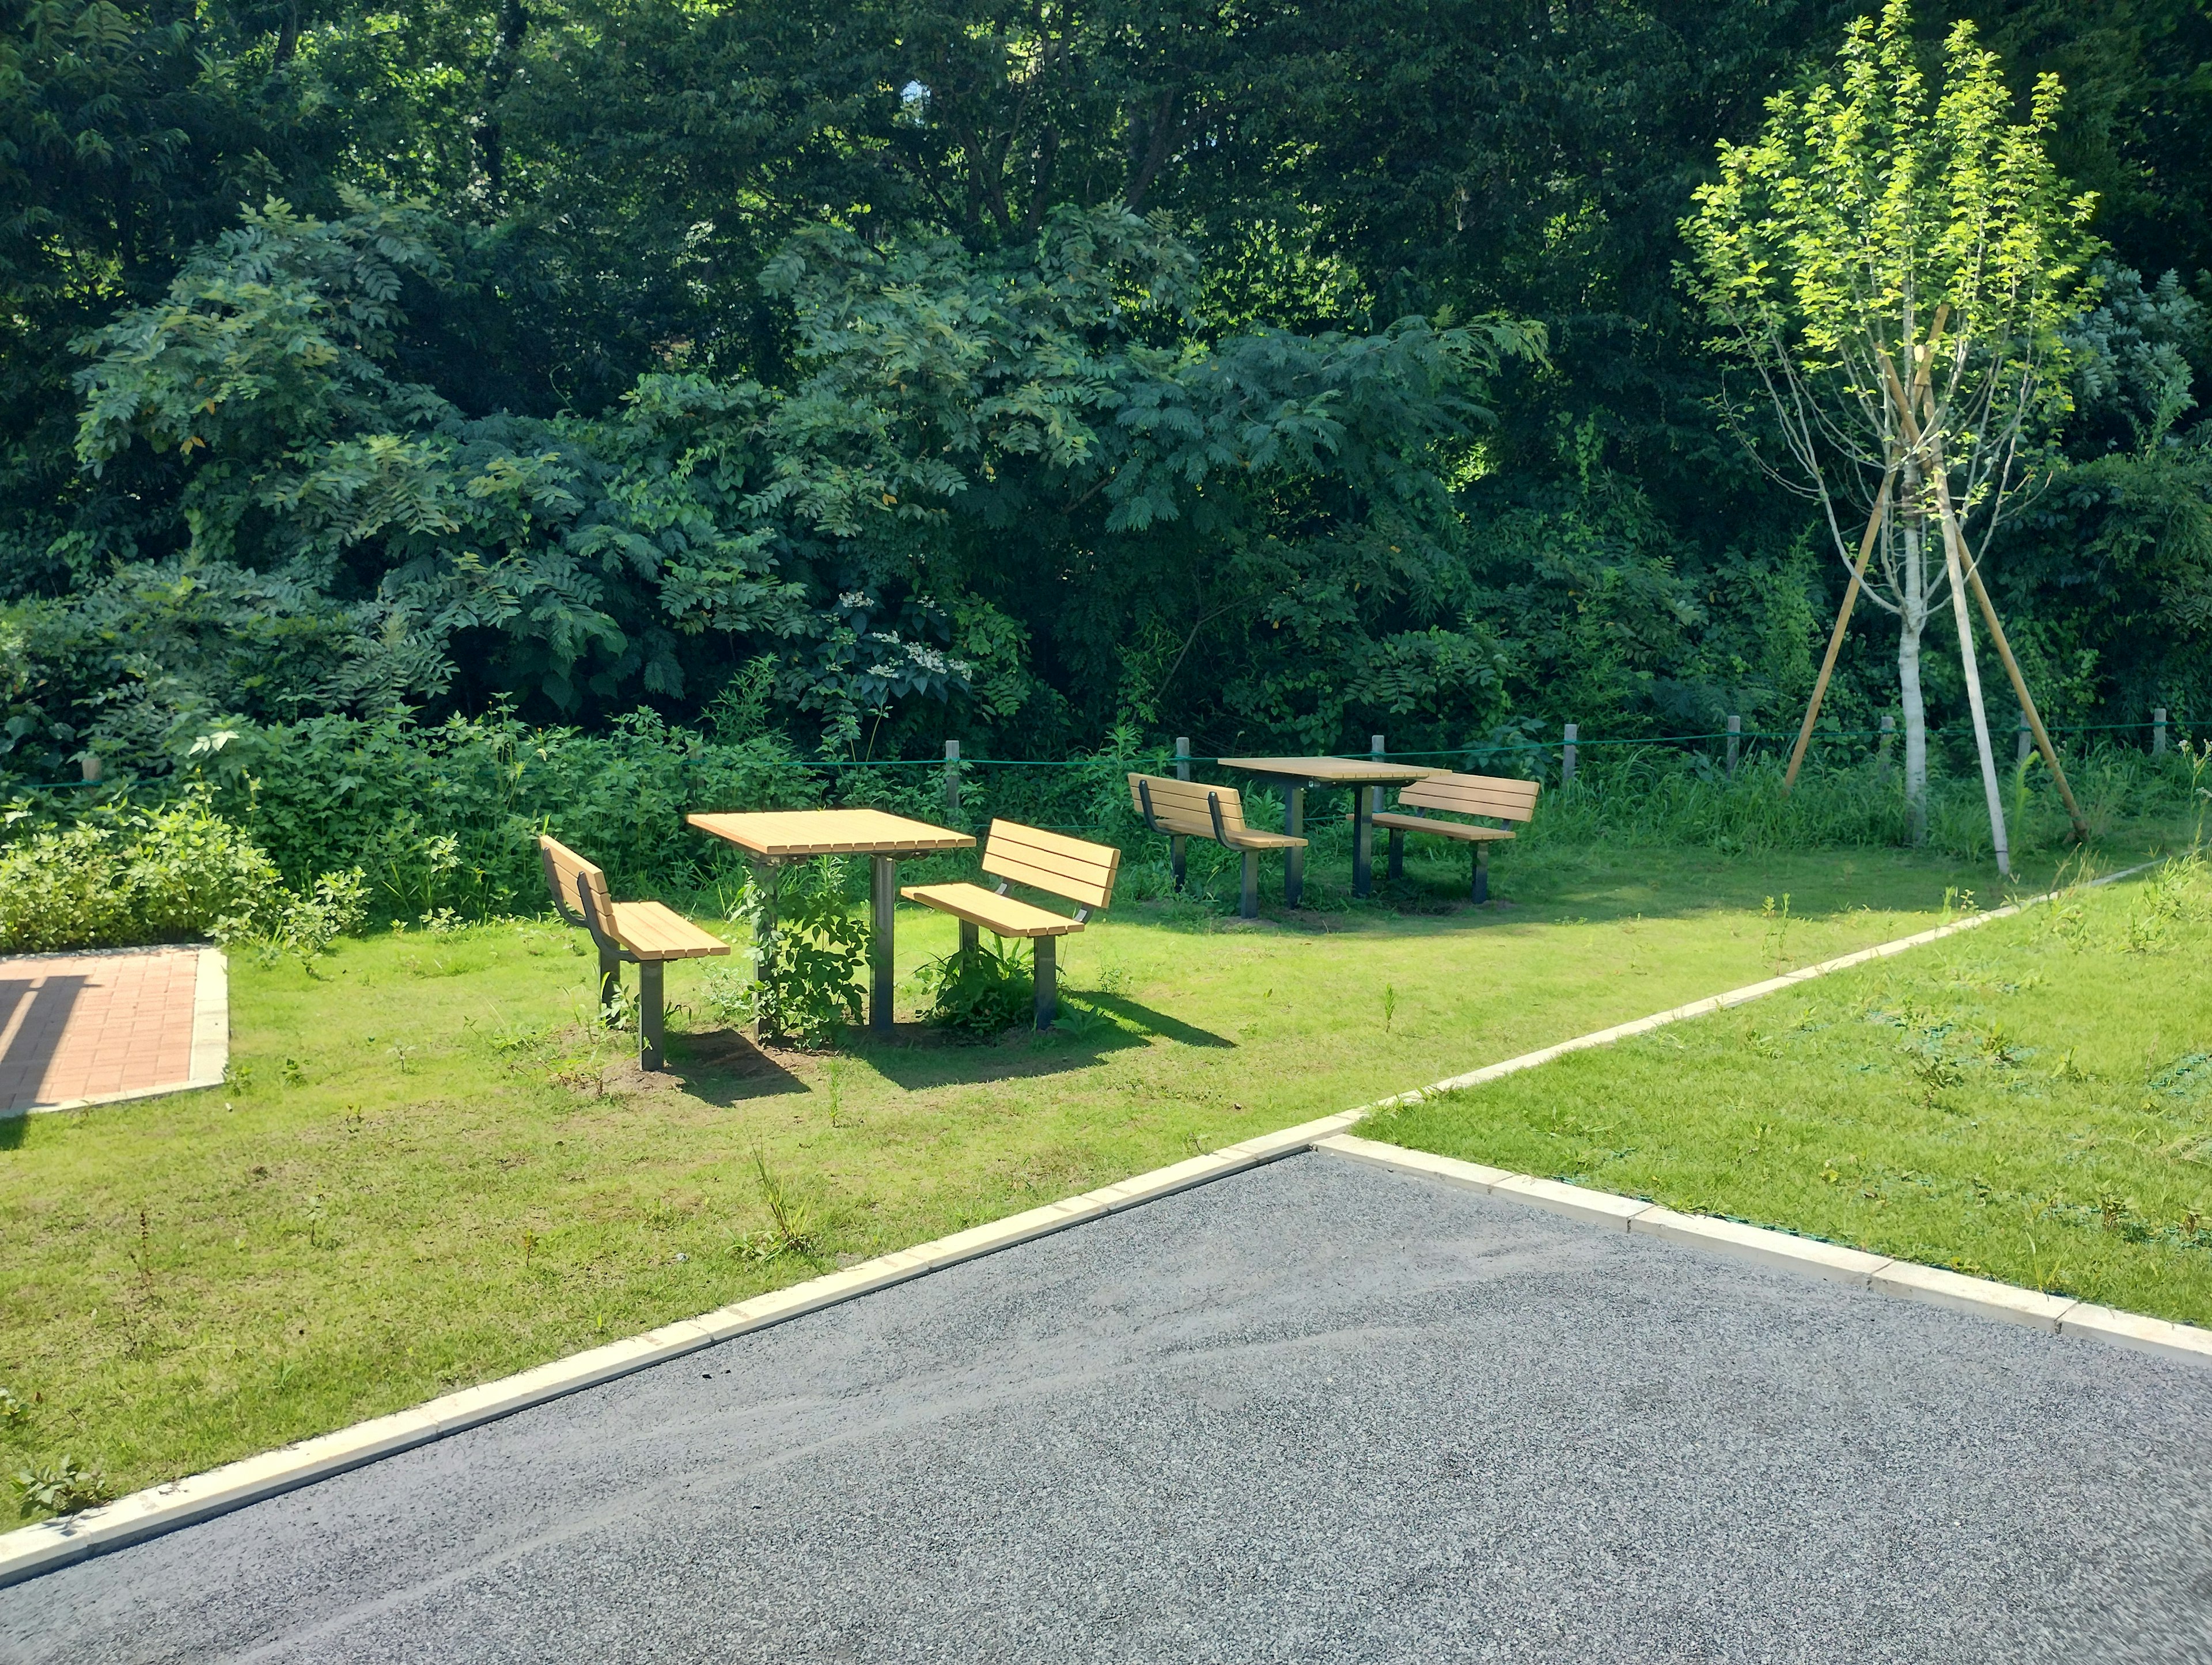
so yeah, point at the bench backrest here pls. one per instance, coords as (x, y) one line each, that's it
(1071, 867)
(1474, 794)
(1182, 806)
(579, 889)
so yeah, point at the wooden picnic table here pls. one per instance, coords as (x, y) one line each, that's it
(1355, 773)
(776, 836)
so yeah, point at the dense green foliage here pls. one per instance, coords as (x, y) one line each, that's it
(168, 875)
(865, 376)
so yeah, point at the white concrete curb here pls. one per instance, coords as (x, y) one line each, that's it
(1735, 996)
(35, 1549)
(1905, 1278)
(210, 1020)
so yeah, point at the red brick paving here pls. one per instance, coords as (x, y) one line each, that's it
(95, 1025)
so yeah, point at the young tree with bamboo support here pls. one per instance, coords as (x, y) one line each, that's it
(1895, 263)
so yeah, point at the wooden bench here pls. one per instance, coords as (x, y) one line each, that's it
(1069, 868)
(1190, 809)
(1460, 794)
(645, 933)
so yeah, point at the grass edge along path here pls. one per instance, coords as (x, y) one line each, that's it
(60, 1539)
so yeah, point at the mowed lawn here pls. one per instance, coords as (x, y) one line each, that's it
(431, 1168)
(2030, 1102)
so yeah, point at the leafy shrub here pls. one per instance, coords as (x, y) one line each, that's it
(171, 874)
(446, 816)
(814, 948)
(980, 996)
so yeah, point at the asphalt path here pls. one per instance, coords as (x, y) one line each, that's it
(1317, 1412)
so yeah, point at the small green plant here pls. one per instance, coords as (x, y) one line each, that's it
(14, 1413)
(63, 1489)
(730, 995)
(980, 995)
(1081, 1024)
(1389, 1006)
(790, 1223)
(1931, 1067)
(1775, 944)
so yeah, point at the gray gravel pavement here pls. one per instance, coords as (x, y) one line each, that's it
(1318, 1411)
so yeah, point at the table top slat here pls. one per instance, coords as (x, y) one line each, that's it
(1335, 771)
(784, 835)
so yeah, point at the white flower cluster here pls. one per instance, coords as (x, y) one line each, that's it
(919, 657)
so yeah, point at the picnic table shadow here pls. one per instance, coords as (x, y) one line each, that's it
(918, 1056)
(725, 1067)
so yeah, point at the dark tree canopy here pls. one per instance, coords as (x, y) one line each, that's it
(1268, 373)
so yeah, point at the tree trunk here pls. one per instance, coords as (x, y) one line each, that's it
(1909, 625)
(1911, 620)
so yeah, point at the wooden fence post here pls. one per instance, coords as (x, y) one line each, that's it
(1735, 744)
(2026, 741)
(2158, 733)
(1567, 756)
(952, 781)
(1881, 746)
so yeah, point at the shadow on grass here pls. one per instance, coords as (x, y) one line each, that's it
(1552, 884)
(1097, 1025)
(722, 1067)
(13, 1126)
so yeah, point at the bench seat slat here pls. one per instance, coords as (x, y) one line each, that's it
(653, 932)
(1004, 916)
(1459, 829)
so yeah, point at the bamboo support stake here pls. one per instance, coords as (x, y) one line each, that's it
(1842, 620)
(2020, 689)
(2004, 648)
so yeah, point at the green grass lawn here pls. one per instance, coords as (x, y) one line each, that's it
(2030, 1102)
(430, 1168)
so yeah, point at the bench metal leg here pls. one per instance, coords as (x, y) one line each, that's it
(1397, 853)
(1176, 847)
(767, 877)
(1482, 872)
(1294, 858)
(1249, 904)
(1363, 844)
(648, 1014)
(882, 903)
(970, 942)
(610, 979)
(1048, 983)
